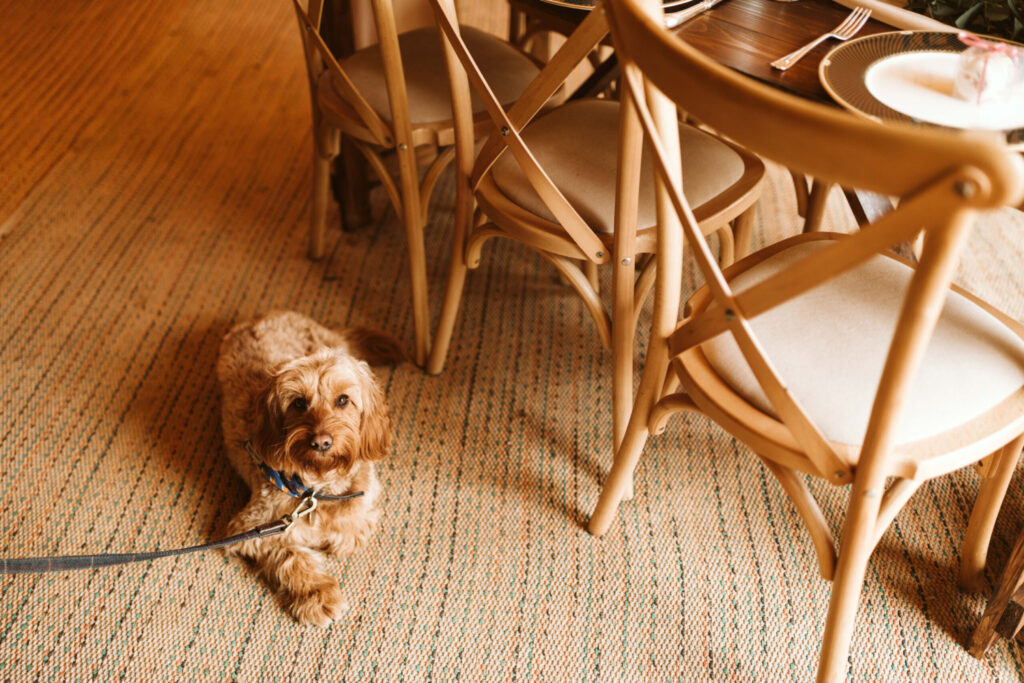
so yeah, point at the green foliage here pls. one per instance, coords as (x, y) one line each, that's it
(1001, 18)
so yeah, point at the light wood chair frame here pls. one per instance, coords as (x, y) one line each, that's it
(568, 243)
(942, 181)
(1004, 614)
(342, 110)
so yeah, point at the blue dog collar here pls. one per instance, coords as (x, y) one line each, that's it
(293, 486)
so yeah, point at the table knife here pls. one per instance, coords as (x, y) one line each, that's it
(678, 18)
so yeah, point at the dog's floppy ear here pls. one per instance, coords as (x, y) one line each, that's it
(268, 439)
(373, 346)
(375, 429)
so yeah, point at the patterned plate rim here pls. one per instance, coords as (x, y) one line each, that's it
(842, 70)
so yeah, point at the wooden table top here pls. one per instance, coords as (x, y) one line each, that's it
(745, 35)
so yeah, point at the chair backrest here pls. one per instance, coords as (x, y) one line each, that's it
(463, 71)
(409, 15)
(941, 179)
(319, 59)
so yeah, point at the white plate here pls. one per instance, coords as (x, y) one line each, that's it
(911, 74)
(920, 85)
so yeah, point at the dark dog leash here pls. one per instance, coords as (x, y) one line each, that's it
(31, 565)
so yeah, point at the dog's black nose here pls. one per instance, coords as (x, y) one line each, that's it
(321, 442)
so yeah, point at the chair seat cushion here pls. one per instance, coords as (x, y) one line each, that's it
(829, 345)
(506, 69)
(576, 144)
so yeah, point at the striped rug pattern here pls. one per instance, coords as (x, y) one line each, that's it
(154, 177)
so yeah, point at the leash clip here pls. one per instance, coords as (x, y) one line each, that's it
(307, 504)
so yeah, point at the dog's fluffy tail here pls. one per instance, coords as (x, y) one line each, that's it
(374, 346)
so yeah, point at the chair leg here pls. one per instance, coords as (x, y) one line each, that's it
(318, 211)
(516, 26)
(457, 273)
(983, 516)
(625, 286)
(620, 479)
(572, 272)
(727, 245)
(743, 233)
(797, 490)
(590, 274)
(800, 189)
(590, 270)
(817, 200)
(1009, 584)
(408, 171)
(355, 193)
(623, 332)
(854, 553)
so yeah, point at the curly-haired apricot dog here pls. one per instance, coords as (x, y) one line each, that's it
(302, 412)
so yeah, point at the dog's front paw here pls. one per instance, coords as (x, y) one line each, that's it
(319, 605)
(246, 549)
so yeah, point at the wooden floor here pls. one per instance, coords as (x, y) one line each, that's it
(155, 170)
(91, 79)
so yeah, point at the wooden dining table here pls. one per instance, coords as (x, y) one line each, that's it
(745, 35)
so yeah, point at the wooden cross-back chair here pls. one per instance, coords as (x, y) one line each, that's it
(409, 16)
(570, 184)
(825, 354)
(391, 97)
(1004, 614)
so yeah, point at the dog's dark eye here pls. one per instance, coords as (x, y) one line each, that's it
(342, 401)
(299, 404)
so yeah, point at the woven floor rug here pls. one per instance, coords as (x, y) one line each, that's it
(156, 170)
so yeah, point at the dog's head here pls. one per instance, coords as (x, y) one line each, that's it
(321, 413)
